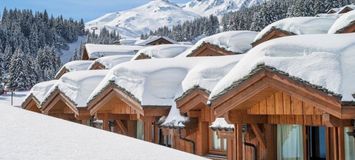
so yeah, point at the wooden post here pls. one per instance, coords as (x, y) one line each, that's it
(230, 148)
(341, 147)
(132, 128)
(105, 123)
(202, 138)
(238, 133)
(156, 134)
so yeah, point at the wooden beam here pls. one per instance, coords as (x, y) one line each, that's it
(331, 121)
(239, 141)
(259, 135)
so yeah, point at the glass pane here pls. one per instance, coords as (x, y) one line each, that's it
(349, 144)
(289, 142)
(140, 130)
(216, 142)
(225, 144)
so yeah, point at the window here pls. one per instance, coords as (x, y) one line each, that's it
(289, 142)
(349, 142)
(217, 144)
(140, 130)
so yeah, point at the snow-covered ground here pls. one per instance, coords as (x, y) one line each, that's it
(32, 136)
(18, 98)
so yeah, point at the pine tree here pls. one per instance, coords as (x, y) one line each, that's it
(18, 72)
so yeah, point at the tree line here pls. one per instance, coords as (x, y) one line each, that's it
(30, 44)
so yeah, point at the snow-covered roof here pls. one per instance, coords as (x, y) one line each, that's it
(342, 22)
(95, 51)
(78, 85)
(206, 77)
(221, 124)
(28, 135)
(152, 39)
(324, 61)
(299, 26)
(39, 90)
(111, 61)
(340, 9)
(162, 51)
(233, 41)
(154, 82)
(78, 65)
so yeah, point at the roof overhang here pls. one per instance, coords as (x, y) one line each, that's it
(61, 72)
(193, 99)
(347, 29)
(215, 49)
(272, 34)
(31, 103)
(265, 80)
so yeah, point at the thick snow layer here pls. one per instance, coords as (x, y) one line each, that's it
(155, 81)
(40, 90)
(234, 41)
(221, 123)
(152, 39)
(111, 61)
(99, 50)
(32, 136)
(344, 21)
(77, 86)
(218, 7)
(206, 77)
(325, 60)
(78, 65)
(174, 118)
(163, 51)
(143, 19)
(300, 25)
(338, 10)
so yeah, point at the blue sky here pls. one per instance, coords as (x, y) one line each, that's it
(87, 9)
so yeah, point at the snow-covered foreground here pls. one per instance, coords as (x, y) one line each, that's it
(18, 98)
(28, 135)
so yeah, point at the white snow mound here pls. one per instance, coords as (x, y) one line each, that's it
(342, 22)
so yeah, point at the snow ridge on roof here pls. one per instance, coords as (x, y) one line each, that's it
(39, 90)
(99, 50)
(162, 51)
(77, 86)
(221, 124)
(111, 61)
(78, 65)
(328, 64)
(343, 22)
(299, 26)
(234, 41)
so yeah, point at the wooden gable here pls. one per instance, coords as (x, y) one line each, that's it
(61, 72)
(272, 34)
(85, 55)
(348, 29)
(142, 56)
(58, 103)
(31, 104)
(159, 41)
(207, 49)
(97, 66)
(271, 97)
(345, 10)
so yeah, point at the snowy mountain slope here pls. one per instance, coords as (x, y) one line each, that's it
(32, 136)
(218, 7)
(134, 22)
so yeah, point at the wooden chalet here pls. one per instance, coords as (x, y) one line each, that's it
(78, 65)
(208, 141)
(109, 62)
(341, 10)
(294, 26)
(285, 118)
(156, 40)
(222, 44)
(273, 33)
(122, 113)
(344, 24)
(161, 51)
(96, 51)
(31, 103)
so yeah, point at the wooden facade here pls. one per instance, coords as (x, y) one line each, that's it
(115, 105)
(194, 105)
(272, 34)
(207, 49)
(97, 66)
(159, 41)
(60, 106)
(268, 101)
(31, 103)
(348, 29)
